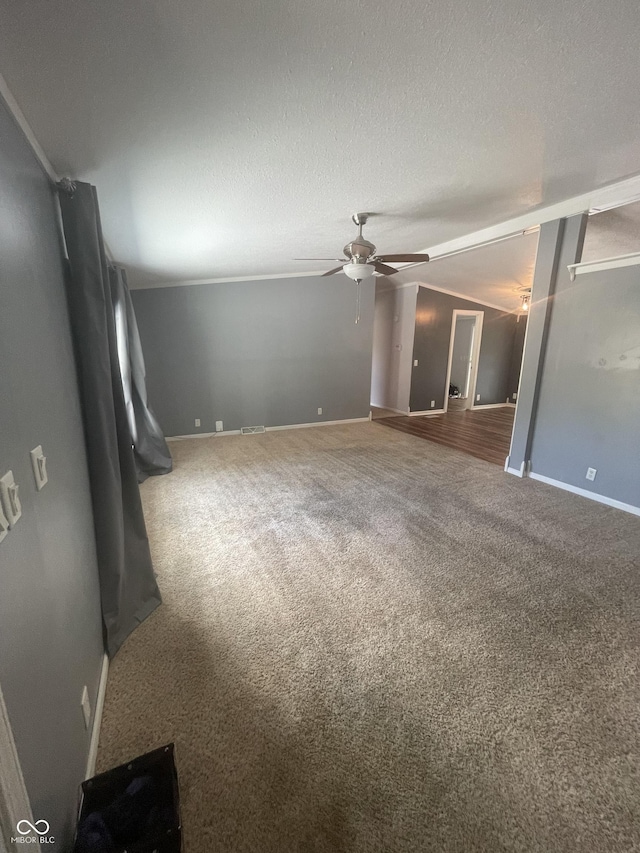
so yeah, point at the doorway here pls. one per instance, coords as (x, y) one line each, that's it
(464, 353)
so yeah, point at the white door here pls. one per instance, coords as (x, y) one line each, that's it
(464, 354)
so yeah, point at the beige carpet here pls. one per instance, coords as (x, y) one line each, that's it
(372, 643)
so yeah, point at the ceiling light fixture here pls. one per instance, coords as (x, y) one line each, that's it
(358, 272)
(525, 302)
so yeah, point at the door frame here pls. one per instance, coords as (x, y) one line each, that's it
(475, 353)
(14, 800)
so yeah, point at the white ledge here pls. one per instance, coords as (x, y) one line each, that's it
(604, 264)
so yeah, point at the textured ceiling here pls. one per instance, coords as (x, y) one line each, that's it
(498, 273)
(495, 274)
(612, 232)
(226, 138)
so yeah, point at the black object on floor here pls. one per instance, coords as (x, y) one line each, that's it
(134, 807)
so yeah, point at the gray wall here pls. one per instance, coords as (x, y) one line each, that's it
(258, 352)
(434, 312)
(50, 628)
(382, 342)
(588, 411)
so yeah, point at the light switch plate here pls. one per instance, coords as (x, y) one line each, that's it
(4, 525)
(39, 465)
(9, 497)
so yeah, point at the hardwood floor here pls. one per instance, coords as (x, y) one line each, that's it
(483, 434)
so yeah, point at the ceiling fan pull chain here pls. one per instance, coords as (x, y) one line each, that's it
(357, 301)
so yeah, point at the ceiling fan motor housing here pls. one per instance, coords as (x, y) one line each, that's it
(359, 249)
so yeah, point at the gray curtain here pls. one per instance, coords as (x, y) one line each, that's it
(128, 588)
(150, 449)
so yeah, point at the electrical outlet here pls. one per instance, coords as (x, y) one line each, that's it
(320, 410)
(514, 396)
(433, 404)
(477, 398)
(219, 426)
(86, 707)
(591, 473)
(197, 421)
(415, 362)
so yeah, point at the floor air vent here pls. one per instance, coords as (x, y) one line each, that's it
(252, 430)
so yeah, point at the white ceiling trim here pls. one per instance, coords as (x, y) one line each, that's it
(605, 198)
(195, 282)
(610, 196)
(16, 112)
(467, 298)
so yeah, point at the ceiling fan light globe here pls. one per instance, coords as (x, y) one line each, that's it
(358, 272)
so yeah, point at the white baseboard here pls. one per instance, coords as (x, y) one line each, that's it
(426, 412)
(585, 493)
(318, 424)
(271, 429)
(97, 720)
(201, 435)
(391, 409)
(493, 406)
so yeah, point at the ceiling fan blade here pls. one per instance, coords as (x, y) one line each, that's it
(383, 269)
(404, 259)
(333, 272)
(344, 260)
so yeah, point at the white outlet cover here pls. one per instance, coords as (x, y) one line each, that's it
(477, 398)
(415, 362)
(433, 404)
(219, 426)
(9, 497)
(591, 473)
(319, 410)
(86, 707)
(39, 465)
(197, 421)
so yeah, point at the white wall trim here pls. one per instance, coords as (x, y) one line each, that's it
(318, 424)
(97, 719)
(517, 472)
(630, 260)
(238, 278)
(271, 429)
(14, 799)
(425, 412)
(475, 408)
(609, 196)
(391, 409)
(468, 298)
(585, 493)
(24, 125)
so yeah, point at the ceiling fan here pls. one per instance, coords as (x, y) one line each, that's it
(360, 259)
